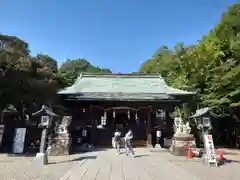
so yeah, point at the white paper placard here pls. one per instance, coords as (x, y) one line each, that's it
(209, 145)
(84, 132)
(18, 141)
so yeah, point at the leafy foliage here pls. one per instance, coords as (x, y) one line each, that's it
(71, 69)
(27, 82)
(211, 67)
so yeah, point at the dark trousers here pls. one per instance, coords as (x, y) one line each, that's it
(129, 148)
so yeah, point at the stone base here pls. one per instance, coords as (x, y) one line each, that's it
(180, 144)
(149, 146)
(158, 146)
(60, 145)
(178, 151)
(41, 159)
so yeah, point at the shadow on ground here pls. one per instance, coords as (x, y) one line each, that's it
(22, 155)
(86, 150)
(235, 161)
(143, 155)
(74, 160)
(227, 161)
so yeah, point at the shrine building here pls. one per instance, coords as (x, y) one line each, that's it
(101, 103)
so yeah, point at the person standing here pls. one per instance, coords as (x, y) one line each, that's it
(128, 143)
(117, 140)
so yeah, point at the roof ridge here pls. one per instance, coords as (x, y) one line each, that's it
(79, 77)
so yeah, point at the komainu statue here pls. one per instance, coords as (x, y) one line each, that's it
(61, 142)
(182, 137)
(62, 126)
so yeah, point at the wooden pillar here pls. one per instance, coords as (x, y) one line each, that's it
(149, 130)
(93, 127)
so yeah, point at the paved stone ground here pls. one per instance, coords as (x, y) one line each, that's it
(111, 166)
(107, 165)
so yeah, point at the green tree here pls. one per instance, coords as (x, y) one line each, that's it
(211, 67)
(71, 69)
(24, 79)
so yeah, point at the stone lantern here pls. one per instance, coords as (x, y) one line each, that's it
(46, 114)
(203, 120)
(204, 125)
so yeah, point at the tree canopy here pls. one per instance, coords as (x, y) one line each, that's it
(26, 82)
(211, 67)
(71, 69)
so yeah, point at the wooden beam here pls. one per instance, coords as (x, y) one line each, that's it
(149, 130)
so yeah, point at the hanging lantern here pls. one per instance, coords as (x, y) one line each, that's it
(128, 114)
(114, 114)
(103, 121)
(160, 113)
(136, 117)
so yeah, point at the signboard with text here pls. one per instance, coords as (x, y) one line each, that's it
(209, 148)
(19, 139)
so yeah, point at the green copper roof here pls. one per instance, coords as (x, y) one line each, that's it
(121, 96)
(127, 84)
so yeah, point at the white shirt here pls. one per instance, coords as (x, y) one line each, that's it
(128, 136)
(117, 133)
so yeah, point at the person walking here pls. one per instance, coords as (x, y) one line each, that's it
(117, 140)
(128, 143)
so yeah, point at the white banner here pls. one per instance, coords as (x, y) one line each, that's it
(19, 139)
(209, 145)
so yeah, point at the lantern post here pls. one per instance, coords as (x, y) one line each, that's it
(46, 114)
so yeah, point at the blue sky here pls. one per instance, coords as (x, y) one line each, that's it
(115, 34)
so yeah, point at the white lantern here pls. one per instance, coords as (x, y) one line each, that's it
(45, 120)
(158, 133)
(103, 121)
(160, 113)
(114, 114)
(206, 121)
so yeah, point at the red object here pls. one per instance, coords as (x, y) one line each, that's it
(209, 137)
(220, 155)
(189, 154)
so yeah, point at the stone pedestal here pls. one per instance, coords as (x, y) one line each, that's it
(41, 159)
(180, 144)
(60, 145)
(149, 146)
(157, 146)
